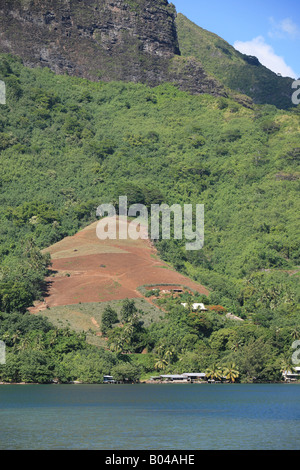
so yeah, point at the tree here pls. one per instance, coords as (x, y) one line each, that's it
(109, 318)
(35, 366)
(230, 372)
(128, 331)
(117, 341)
(133, 335)
(161, 363)
(169, 355)
(14, 296)
(128, 310)
(10, 371)
(214, 372)
(219, 339)
(235, 344)
(126, 372)
(254, 359)
(295, 334)
(117, 346)
(23, 344)
(190, 304)
(270, 126)
(286, 365)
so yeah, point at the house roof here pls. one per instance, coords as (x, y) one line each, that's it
(288, 372)
(193, 374)
(183, 376)
(175, 376)
(233, 317)
(195, 306)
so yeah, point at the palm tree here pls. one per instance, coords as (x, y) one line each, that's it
(128, 331)
(168, 355)
(161, 350)
(53, 337)
(16, 336)
(66, 332)
(295, 334)
(117, 346)
(160, 363)
(287, 366)
(5, 337)
(214, 372)
(40, 345)
(182, 353)
(236, 346)
(231, 372)
(24, 344)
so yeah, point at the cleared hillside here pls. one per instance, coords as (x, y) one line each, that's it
(86, 269)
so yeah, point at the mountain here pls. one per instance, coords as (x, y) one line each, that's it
(102, 39)
(240, 72)
(92, 113)
(67, 145)
(136, 41)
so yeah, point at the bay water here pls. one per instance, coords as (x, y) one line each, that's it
(150, 417)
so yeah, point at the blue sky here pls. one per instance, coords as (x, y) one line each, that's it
(270, 30)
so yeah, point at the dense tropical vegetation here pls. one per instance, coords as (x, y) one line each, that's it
(68, 145)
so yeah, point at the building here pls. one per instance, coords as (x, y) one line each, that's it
(200, 307)
(177, 378)
(291, 376)
(195, 376)
(108, 379)
(233, 317)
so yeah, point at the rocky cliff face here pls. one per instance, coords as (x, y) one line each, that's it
(130, 40)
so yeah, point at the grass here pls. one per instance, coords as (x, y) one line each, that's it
(87, 317)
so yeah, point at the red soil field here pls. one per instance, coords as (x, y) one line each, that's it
(86, 269)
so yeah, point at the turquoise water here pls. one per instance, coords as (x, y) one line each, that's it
(150, 417)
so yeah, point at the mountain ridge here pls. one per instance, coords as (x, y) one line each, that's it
(103, 40)
(240, 72)
(138, 41)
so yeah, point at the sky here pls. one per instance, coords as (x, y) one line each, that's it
(267, 29)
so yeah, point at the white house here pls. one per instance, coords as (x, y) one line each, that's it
(186, 377)
(233, 317)
(200, 307)
(194, 376)
(291, 376)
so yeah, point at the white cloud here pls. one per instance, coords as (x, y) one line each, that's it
(283, 29)
(266, 55)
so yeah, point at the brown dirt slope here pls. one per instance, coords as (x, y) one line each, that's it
(86, 269)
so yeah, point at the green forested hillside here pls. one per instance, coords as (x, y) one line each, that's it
(239, 72)
(68, 145)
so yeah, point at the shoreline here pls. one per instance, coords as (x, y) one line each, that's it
(152, 383)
